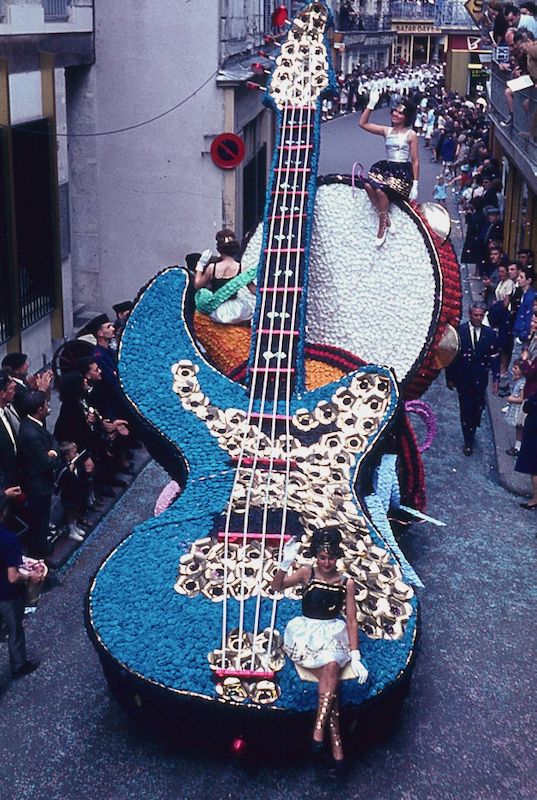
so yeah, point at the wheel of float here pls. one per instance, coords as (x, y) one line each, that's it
(67, 355)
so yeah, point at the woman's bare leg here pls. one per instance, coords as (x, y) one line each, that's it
(371, 193)
(382, 204)
(328, 677)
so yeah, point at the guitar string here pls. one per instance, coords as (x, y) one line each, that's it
(280, 335)
(280, 338)
(300, 266)
(265, 382)
(277, 369)
(253, 389)
(272, 266)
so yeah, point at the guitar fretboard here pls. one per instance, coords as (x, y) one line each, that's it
(275, 340)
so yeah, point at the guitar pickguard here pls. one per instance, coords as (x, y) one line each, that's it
(323, 449)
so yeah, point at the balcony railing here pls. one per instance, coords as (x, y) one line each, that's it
(367, 22)
(419, 9)
(56, 10)
(522, 130)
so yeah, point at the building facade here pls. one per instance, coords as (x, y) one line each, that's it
(40, 42)
(364, 40)
(121, 115)
(515, 144)
(168, 79)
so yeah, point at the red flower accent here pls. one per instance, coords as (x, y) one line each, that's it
(279, 16)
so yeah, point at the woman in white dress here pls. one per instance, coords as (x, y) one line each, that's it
(320, 639)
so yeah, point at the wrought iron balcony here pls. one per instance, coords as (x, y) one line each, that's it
(413, 9)
(521, 129)
(56, 10)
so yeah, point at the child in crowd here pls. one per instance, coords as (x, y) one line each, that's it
(71, 487)
(440, 191)
(514, 415)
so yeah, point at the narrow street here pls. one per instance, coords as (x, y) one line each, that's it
(466, 731)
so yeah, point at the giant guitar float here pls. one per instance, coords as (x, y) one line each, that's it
(180, 612)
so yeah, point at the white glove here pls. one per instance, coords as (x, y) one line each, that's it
(290, 552)
(374, 97)
(203, 260)
(357, 667)
(414, 191)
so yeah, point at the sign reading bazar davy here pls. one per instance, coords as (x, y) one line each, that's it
(475, 9)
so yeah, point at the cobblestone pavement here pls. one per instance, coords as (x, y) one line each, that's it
(466, 731)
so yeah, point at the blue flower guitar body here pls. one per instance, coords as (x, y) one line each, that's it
(181, 612)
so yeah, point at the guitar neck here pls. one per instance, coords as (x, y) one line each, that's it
(277, 351)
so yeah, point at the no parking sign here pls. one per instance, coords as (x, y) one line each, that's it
(227, 150)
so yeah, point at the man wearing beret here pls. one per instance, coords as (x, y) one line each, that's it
(103, 355)
(122, 311)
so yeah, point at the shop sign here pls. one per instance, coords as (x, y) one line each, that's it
(475, 9)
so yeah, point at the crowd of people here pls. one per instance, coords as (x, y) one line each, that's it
(52, 478)
(393, 84)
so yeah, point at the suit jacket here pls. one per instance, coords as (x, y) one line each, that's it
(8, 459)
(37, 468)
(21, 390)
(469, 371)
(111, 399)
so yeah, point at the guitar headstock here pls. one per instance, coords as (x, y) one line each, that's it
(303, 72)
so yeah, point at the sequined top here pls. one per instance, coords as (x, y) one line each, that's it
(322, 600)
(397, 146)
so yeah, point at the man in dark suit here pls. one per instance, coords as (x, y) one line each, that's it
(8, 437)
(38, 459)
(18, 366)
(469, 371)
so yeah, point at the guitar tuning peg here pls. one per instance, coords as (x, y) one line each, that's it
(259, 69)
(272, 40)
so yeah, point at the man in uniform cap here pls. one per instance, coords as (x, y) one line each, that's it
(122, 311)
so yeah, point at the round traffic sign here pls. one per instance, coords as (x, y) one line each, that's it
(227, 150)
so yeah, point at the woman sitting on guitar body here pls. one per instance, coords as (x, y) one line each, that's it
(320, 640)
(225, 293)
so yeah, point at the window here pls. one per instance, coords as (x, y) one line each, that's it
(35, 218)
(56, 10)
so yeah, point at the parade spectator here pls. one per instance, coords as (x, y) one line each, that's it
(440, 191)
(13, 582)
(522, 323)
(110, 438)
(122, 312)
(528, 365)
(514, 415)
(71, 487)
(19, 366)
(104, 333)
(528, 17)
(9, 476)
(527, 458)
(38, 458)
(348, 18)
